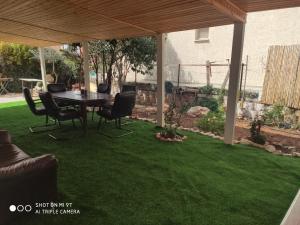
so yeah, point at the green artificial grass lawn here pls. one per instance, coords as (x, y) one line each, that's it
(138, 180)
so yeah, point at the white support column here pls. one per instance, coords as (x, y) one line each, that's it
(86, 69)
(234, 80)
(161, 38)
(43, 68)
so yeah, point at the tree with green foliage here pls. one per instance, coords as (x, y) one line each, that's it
(51, 56)
(117, 57)
(72, 56)
(17, 61)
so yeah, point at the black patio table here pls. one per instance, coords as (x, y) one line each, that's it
(84, 100)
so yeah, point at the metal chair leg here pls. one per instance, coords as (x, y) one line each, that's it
(32, 129)
(118, 126)
(99, 123)
(93, 113)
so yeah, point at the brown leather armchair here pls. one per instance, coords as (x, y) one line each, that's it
(24, 180)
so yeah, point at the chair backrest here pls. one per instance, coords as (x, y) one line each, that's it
(123, 104)
(29, 100)
(102, 88)
(127, 88)
(51, 107)
(54, 88)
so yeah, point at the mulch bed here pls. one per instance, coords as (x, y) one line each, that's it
(284, 140)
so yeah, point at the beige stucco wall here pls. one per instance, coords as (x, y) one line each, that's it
(276, 27)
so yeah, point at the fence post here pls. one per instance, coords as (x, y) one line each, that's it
(208, 72)
(178, 76)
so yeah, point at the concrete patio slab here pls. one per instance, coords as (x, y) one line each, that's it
(11, 98)
(292, 216)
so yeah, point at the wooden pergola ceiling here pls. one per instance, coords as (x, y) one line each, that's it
(54, 22)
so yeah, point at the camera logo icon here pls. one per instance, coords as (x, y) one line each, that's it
(20, 208)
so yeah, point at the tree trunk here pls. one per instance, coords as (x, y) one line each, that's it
(96, 71)
(103, 67)
(109, 78)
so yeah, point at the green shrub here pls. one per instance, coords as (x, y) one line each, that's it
(206, 90)
(18, 61)
(210, 103)
(213, 122)
(275, 115)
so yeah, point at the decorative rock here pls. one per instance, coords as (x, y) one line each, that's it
(270, 148)
(277, 153)
(244, 141)
(197, 111)
(296, 154)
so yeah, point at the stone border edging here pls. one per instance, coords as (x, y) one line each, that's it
(268, 148)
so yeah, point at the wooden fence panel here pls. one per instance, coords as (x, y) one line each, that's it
(282, 81)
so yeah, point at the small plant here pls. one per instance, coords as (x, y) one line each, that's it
(172, 121)
(256, 135)
(275, 115)
(210, 103)
(221, 95)
(213, 122)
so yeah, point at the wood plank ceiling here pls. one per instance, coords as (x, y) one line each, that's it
(54, 22)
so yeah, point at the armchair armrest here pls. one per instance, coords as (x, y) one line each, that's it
(5, 137)
(27, 182)
(29, 167)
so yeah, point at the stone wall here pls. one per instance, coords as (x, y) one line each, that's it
(146, 95)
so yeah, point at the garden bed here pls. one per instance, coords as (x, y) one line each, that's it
(285, 140)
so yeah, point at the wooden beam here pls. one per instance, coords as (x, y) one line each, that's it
(234, 81)
(27, 37)
(229, 9)
(78, 7)
(161, 51)
(82, 37)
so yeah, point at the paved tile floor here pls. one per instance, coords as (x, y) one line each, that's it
(12, 97)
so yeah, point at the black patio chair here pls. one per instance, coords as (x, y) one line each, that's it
(128, 87)
(104, 89)
(59, 114)
(54, 88)
(122, 107)
(36, 110)
(60, 87)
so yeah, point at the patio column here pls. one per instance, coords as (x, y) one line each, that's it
(161, 38)
(86, 69)
(234, 80)
(43, 68)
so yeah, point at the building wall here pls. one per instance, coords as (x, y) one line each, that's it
(263, 29)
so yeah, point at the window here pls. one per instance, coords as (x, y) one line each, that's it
(202, 35)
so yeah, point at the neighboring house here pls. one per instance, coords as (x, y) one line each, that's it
(263, 29)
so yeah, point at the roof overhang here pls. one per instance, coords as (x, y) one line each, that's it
(55, 22)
